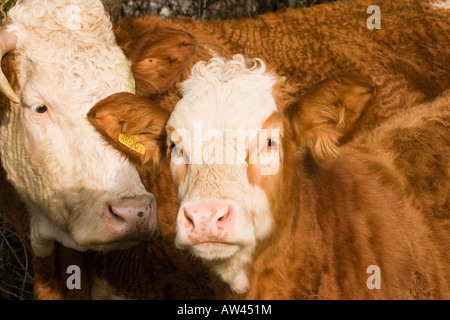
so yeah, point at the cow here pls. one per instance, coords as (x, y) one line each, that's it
(277, 209)
(77, 190)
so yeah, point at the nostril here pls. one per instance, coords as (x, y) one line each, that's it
(116, 216)
(224, 217)
(131, 218)
(189, 218)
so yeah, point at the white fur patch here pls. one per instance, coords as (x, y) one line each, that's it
(68, 60)
(443, 4)
(218, 97)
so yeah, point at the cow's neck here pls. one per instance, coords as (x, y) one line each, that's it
(295, 237)
(161, 185)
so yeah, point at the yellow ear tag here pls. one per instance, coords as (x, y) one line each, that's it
(129, 141)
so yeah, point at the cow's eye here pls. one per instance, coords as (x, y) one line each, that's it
(271, 144)
(41, 109)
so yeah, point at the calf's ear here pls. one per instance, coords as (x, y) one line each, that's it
(133, 125)
(331, 113)
(158, 56)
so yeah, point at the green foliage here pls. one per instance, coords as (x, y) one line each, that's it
(5, 5)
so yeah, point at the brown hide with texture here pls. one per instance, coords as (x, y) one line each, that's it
(337, 213)
(370, 205)
(406, 58)
(149, 123)
(419, 142)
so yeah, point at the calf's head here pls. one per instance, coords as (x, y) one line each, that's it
(79, 190)
(228, 139)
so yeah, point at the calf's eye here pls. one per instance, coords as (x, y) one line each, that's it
(271, 144)
(175, 152)
(41, 109)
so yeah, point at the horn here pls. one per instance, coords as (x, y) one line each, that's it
(7, 43)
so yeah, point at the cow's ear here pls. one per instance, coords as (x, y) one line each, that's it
(330, 113)
(9, 67)
(133, 125)
(158, 56)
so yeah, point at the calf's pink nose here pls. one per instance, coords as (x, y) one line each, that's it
(206, 221)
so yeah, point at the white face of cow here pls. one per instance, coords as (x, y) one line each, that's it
(80, 191)
(224, 135)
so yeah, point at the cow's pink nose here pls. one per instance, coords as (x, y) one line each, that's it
(131, 218)
(207, 221)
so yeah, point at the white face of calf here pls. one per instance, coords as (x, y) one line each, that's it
(224, 134)
(80, 191)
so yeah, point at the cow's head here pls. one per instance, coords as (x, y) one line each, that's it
(79, 190)
(229, 138)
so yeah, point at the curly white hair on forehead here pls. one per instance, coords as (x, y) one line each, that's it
(223, 70)
(70, 42)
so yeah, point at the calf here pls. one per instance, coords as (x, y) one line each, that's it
(271, 203)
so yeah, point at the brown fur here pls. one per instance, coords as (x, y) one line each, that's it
(253, 171)
(406, 58)
(357, 210)
(149, 125)
(419, 144)
(163, 61)
(369, 203)
(334, 111)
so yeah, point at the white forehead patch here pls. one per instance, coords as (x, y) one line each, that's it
(442, 4)
(225, 95)
(69, 45)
